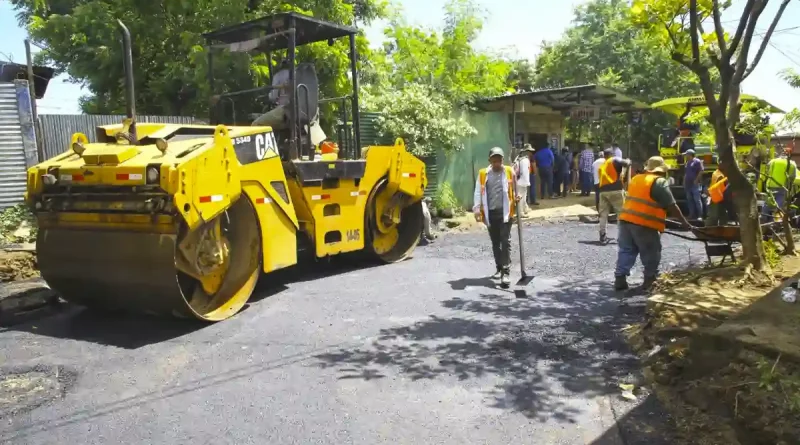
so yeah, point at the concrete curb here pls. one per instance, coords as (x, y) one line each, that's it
(26, 295)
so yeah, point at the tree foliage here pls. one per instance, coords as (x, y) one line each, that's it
(421, 78)
(693, 33)
(82, 40)
(604, 47)
(423, 117)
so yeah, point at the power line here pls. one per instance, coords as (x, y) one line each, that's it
(784, 54)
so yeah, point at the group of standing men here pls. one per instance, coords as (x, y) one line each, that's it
(642, 211)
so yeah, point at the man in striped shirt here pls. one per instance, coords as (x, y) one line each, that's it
(585, 161)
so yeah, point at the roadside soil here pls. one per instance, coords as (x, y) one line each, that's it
(722, 351)
(573, 207)
(17, 266)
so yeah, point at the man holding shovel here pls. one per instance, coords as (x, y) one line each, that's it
(642, 221)
(495, 205)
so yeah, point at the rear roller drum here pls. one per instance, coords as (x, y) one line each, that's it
(208, 274)
(393, 227)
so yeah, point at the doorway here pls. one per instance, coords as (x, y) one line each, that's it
(537, 140)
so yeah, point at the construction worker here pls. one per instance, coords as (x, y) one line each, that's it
(718, 192)
(495, 200)
(642, 220)
(781, 172)
(612, 194)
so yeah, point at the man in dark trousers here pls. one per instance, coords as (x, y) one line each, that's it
(544, 163)
(642, 221)
(495, 204)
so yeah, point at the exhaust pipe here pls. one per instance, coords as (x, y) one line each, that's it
(130, 97)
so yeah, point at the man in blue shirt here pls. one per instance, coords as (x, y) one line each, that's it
(691, 184)
(544, 162)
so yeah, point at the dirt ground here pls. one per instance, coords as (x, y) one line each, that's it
(723, 353)
(573, 206)
(16, 266)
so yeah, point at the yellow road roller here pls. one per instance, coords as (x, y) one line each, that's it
(182, 220)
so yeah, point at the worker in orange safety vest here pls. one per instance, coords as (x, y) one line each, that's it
(495, 201)
(641, 222)
(718, 193)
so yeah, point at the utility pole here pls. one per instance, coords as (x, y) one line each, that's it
(32, 87)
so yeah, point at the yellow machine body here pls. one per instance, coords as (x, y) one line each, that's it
(185, 221)
(677, 106)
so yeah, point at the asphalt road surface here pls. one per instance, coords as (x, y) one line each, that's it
(427, 351)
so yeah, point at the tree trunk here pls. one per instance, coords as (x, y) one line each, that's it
(751, 236)
(744, 197)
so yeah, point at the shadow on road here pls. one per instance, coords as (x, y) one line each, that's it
(127, 331)
(642, 425)
(562, 342)
(610, 242)
(132, 331)
(464, 283)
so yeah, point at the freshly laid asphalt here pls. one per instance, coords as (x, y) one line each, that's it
(427, 351)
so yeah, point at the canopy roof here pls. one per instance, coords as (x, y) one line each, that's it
(677, 105)
(10, 71)
(564, 99)
(252, 34)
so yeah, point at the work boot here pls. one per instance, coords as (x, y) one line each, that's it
(505, 280)
(620, 282)
(648, 283)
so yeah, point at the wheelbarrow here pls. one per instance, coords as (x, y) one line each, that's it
(719, 240)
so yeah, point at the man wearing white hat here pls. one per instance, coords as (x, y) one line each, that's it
(641, 222)
(495, 199)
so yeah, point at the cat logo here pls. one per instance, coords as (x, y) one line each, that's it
(265, 143)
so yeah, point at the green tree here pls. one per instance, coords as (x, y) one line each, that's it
(170, 62)
(720, 61)
(604, 47)
(423, 78)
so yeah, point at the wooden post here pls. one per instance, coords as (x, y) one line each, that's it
(32, 87)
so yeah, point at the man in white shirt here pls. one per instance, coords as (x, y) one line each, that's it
(596, 173)
(522, 168)
(276, 117)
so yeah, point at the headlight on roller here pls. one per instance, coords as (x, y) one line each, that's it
(153, 174)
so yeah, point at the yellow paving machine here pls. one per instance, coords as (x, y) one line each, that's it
(671, 140)
(182, 220)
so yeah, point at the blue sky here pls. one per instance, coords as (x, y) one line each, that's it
(518, 26)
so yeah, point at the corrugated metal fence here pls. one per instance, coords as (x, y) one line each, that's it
(17, 144)
(56, 129)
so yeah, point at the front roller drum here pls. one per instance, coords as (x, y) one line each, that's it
(393, 241)
(136, 272)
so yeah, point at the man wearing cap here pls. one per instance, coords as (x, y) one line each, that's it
(642, 220)
(692, 180)
(612, 193)
(494, 206)
(523, 170)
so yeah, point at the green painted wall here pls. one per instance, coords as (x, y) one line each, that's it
(461, 168)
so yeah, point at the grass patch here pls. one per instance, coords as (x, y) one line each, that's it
(14, 218)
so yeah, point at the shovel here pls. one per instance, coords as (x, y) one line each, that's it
(524, 279)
